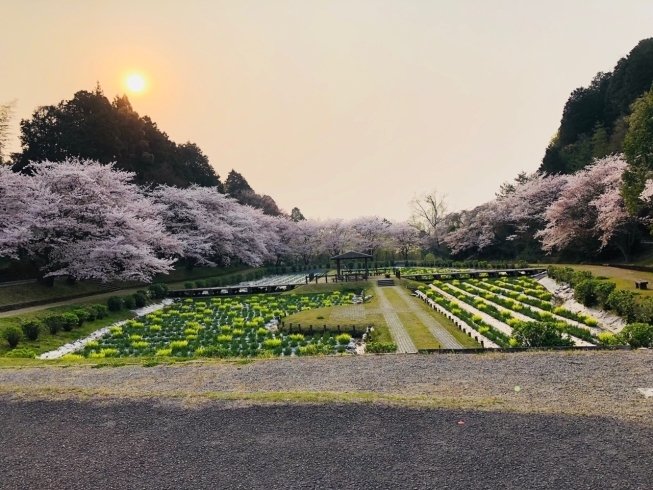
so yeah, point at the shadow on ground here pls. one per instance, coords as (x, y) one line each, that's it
(151, 445)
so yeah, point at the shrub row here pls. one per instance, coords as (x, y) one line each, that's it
(31, 329)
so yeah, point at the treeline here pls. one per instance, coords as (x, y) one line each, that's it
(89, 126)
(595, 118)
(592, 198)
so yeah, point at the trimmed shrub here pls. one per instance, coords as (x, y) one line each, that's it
(102, 310)
(585, 292)
(82, 315)
(189, 285)
(12, 335)
(23, 352)
(70, 321)
(200, 283)
(638, 335)
(129, 302)
(91, 312)
(55, 323)
(539, 334)
(158, 290)
(380, 347)
(623, 303)
(32, 329)
(607, 338)
(114, 303)
(141, 299)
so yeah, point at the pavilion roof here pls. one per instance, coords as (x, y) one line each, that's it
(352, 255)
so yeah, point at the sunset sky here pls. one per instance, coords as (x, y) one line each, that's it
(342, 108)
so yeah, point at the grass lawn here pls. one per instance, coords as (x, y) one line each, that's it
(329, 287)
(417, 331)
(22, 293)
(319, 317)
(47, 341)
(623, 278)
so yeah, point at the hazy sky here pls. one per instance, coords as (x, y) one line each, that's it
(342, 108)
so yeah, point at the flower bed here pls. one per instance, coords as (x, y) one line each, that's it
(474, 321)
(513, 305)
(221, 327)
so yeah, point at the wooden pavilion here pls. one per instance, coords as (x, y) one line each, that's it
(352, 256)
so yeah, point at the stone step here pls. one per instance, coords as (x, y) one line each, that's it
(386, 282)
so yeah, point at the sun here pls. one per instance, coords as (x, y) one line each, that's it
(135, 83)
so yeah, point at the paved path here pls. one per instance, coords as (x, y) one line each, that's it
(397, 331)
(445, 339)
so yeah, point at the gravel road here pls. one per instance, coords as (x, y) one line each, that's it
(154, 445)
(601, 383)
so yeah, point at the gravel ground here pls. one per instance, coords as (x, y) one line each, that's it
(600, 383)
(151, 445)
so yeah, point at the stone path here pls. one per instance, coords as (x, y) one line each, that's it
(397, 331)
(445, 339)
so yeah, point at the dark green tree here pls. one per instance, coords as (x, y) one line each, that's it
(638, 149)
(90, 126)
(296, 215)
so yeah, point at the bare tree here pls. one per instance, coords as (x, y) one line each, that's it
(6, 115)
(428, 212)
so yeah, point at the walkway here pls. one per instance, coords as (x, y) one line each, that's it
(445, 339)
(397, 331)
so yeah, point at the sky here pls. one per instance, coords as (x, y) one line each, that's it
(341, 108)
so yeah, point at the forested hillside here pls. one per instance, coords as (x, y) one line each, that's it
(595, 118)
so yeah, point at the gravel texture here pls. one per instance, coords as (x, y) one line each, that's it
(148, 445)
(601, 383)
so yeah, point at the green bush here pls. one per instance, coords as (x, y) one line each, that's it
(83, 315)
(189, 285)
(140, 298)
(114, 303)
(12, 335)
(129, 302)
(91, 312)
(539, 334)
(623, 303)
(102, 310)
(585, 292)
(603, 290)
(23, 352)
(380, 347)
(200, 283)
(637, 335)
(70, 321)
(32, 329)
(55, 323)
(158, 290)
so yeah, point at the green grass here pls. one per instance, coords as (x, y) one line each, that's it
(417, 331)
(62, 291)
(623, 278)
(310, 317)
(46, 341)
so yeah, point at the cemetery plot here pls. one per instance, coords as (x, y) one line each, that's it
(495, 308)
(223, 327)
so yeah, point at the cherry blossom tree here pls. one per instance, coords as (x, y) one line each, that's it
(590, 207)
(335, 236)
(405, 237)
(306, 240)
(89, 221)
(370, 233)
(475, 229)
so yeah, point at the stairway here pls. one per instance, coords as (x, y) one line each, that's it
(386, 282)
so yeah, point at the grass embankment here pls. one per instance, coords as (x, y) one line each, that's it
(623, 278)
(332, 316)
(46, 341)
(61, 290)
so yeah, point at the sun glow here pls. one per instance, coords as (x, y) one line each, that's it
(135, 83)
